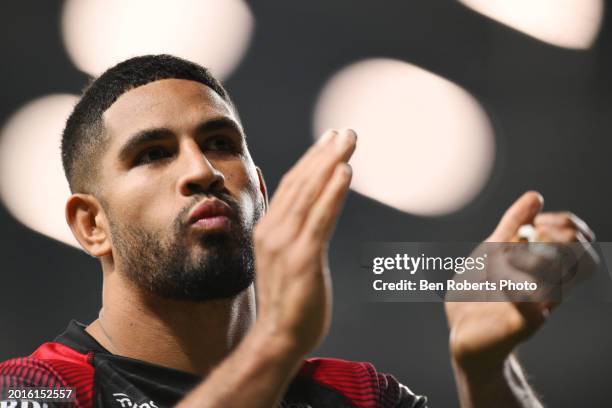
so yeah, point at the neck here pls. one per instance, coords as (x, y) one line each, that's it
(184, 335)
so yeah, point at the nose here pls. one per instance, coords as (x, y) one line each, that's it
(199, 176)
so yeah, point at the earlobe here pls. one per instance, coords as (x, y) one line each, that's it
(88, 224)
(262, 187)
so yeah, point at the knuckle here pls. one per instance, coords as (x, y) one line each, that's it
(270, 245)
(515, 323)
(567, 218)
(571, 235)
(274, 244)
(309, 246)
(316, 234)
(299, 212)
(565, 235)
(302, 205)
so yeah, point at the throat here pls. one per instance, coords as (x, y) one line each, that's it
(193, 337)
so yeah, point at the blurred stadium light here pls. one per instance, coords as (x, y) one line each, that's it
(32, 183)
(99, 33)
(425, 145)
(564, 23)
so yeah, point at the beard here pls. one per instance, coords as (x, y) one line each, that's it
(221, 267)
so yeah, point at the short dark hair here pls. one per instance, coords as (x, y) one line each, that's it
(83, 140)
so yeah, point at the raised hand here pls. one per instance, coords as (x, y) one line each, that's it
(293, 283)
(484, 334)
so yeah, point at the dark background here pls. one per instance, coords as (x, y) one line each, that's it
(551, 110)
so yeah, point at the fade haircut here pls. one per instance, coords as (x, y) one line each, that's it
(84, 140)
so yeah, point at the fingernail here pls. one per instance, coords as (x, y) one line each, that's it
(347, 169)
(326, 136)
(344, 139)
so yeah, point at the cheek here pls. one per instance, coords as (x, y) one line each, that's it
(142, 204)
(243, 184)
(252, 209)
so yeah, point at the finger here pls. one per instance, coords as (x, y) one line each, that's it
(310, 155)
(562, 258)
(565, 219)
(310, 182)
(333, 148)
(589, 259)
(318, 176)
(529, 258)
(322, 218)
(534, 313)
(326, 140)
(341, 148)
(548, 264)
(570, 237)
(288, 188)
(521, 212)
(554, 233)
(585, 255)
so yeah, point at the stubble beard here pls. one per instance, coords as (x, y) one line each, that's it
(222, 265)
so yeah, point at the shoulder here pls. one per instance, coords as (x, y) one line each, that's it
(51, 365)
(361, 383)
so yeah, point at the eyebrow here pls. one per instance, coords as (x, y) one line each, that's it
(148, 136)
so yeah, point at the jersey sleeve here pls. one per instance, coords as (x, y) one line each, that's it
(361, 384)
(31, 372)
(28, 372)
(393, 394)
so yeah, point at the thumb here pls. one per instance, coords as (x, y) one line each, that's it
(523, 211)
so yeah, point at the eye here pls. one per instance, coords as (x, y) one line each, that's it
(152, 154)
(220, 143)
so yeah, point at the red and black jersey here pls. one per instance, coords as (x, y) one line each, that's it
(101, 379)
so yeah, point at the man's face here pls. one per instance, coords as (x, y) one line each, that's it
(180, 191)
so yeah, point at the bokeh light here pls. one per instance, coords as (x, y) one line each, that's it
(564, 23)
(100, 33)
(32, 183)
(425, 145)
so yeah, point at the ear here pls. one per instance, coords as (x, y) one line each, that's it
(88, 223)
(262, 186)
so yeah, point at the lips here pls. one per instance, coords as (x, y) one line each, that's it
(210, 212)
